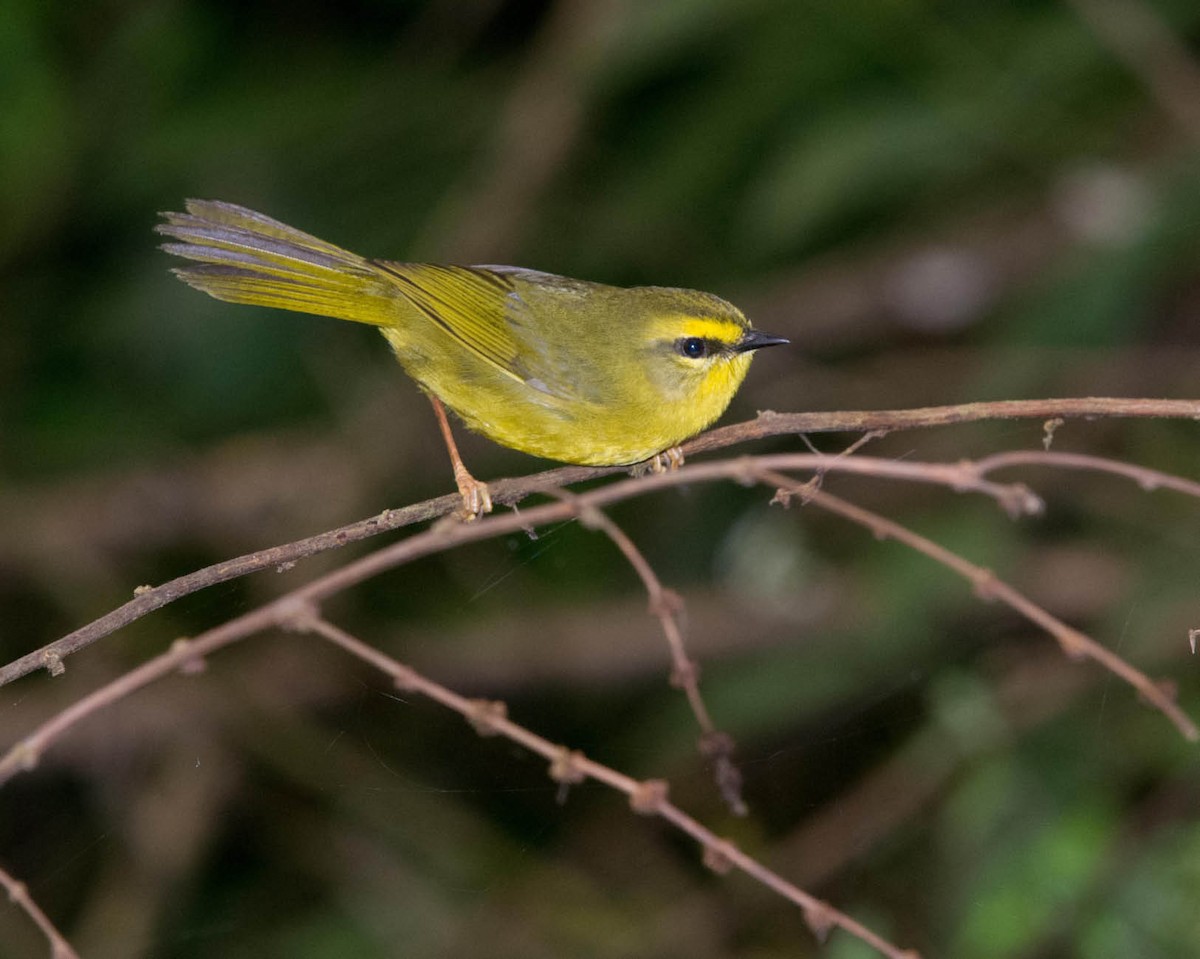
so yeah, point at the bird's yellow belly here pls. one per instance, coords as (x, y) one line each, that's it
(586, 434)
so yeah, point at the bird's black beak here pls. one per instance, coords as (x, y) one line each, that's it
(756, 340)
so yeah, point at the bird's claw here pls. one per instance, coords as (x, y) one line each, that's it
(476, 497)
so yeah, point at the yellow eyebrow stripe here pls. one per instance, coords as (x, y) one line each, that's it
(717, 329)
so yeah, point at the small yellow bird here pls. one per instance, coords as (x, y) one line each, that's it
(566, 369)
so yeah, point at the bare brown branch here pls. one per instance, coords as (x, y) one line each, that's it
(513, 490)
(571, 766)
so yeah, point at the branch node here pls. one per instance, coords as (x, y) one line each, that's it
(716, 744)
(820, 919)
(26, 756)
(648, 797)
(983, 582)
(567, 767)
(590, 518)
(1019, 500)
(189, 664)
(54, 665)
(485, 715)
(1168, 689)
(296, 615)
(142, 590)
(1074, 644)
(719, 856)
(685, 673)
(445, 526)
(406, 679)
(745, 473)
(784, 496)
(665, 602)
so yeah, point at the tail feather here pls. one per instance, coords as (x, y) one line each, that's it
(244, 257)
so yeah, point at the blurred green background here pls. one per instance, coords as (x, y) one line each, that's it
(937, 202)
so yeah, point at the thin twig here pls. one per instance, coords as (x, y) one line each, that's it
(987, 585)
(18, 894)
(569, 767)
(1148, 479)
(666, 605)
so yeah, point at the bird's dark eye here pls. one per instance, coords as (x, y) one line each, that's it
(692, 347)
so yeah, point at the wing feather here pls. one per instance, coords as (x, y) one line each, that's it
(472, 305)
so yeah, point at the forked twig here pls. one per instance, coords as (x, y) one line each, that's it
(666, 605)
(988, 585)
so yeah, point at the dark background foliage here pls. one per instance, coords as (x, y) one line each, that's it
(937, 202)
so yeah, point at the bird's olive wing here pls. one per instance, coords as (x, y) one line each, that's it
(483, 310)
(467, 304)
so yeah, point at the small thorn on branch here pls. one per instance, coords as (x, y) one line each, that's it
(1193, 635)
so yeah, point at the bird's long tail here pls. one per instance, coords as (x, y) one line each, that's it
(245, 257)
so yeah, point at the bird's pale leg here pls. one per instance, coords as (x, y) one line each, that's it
(475, 496)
